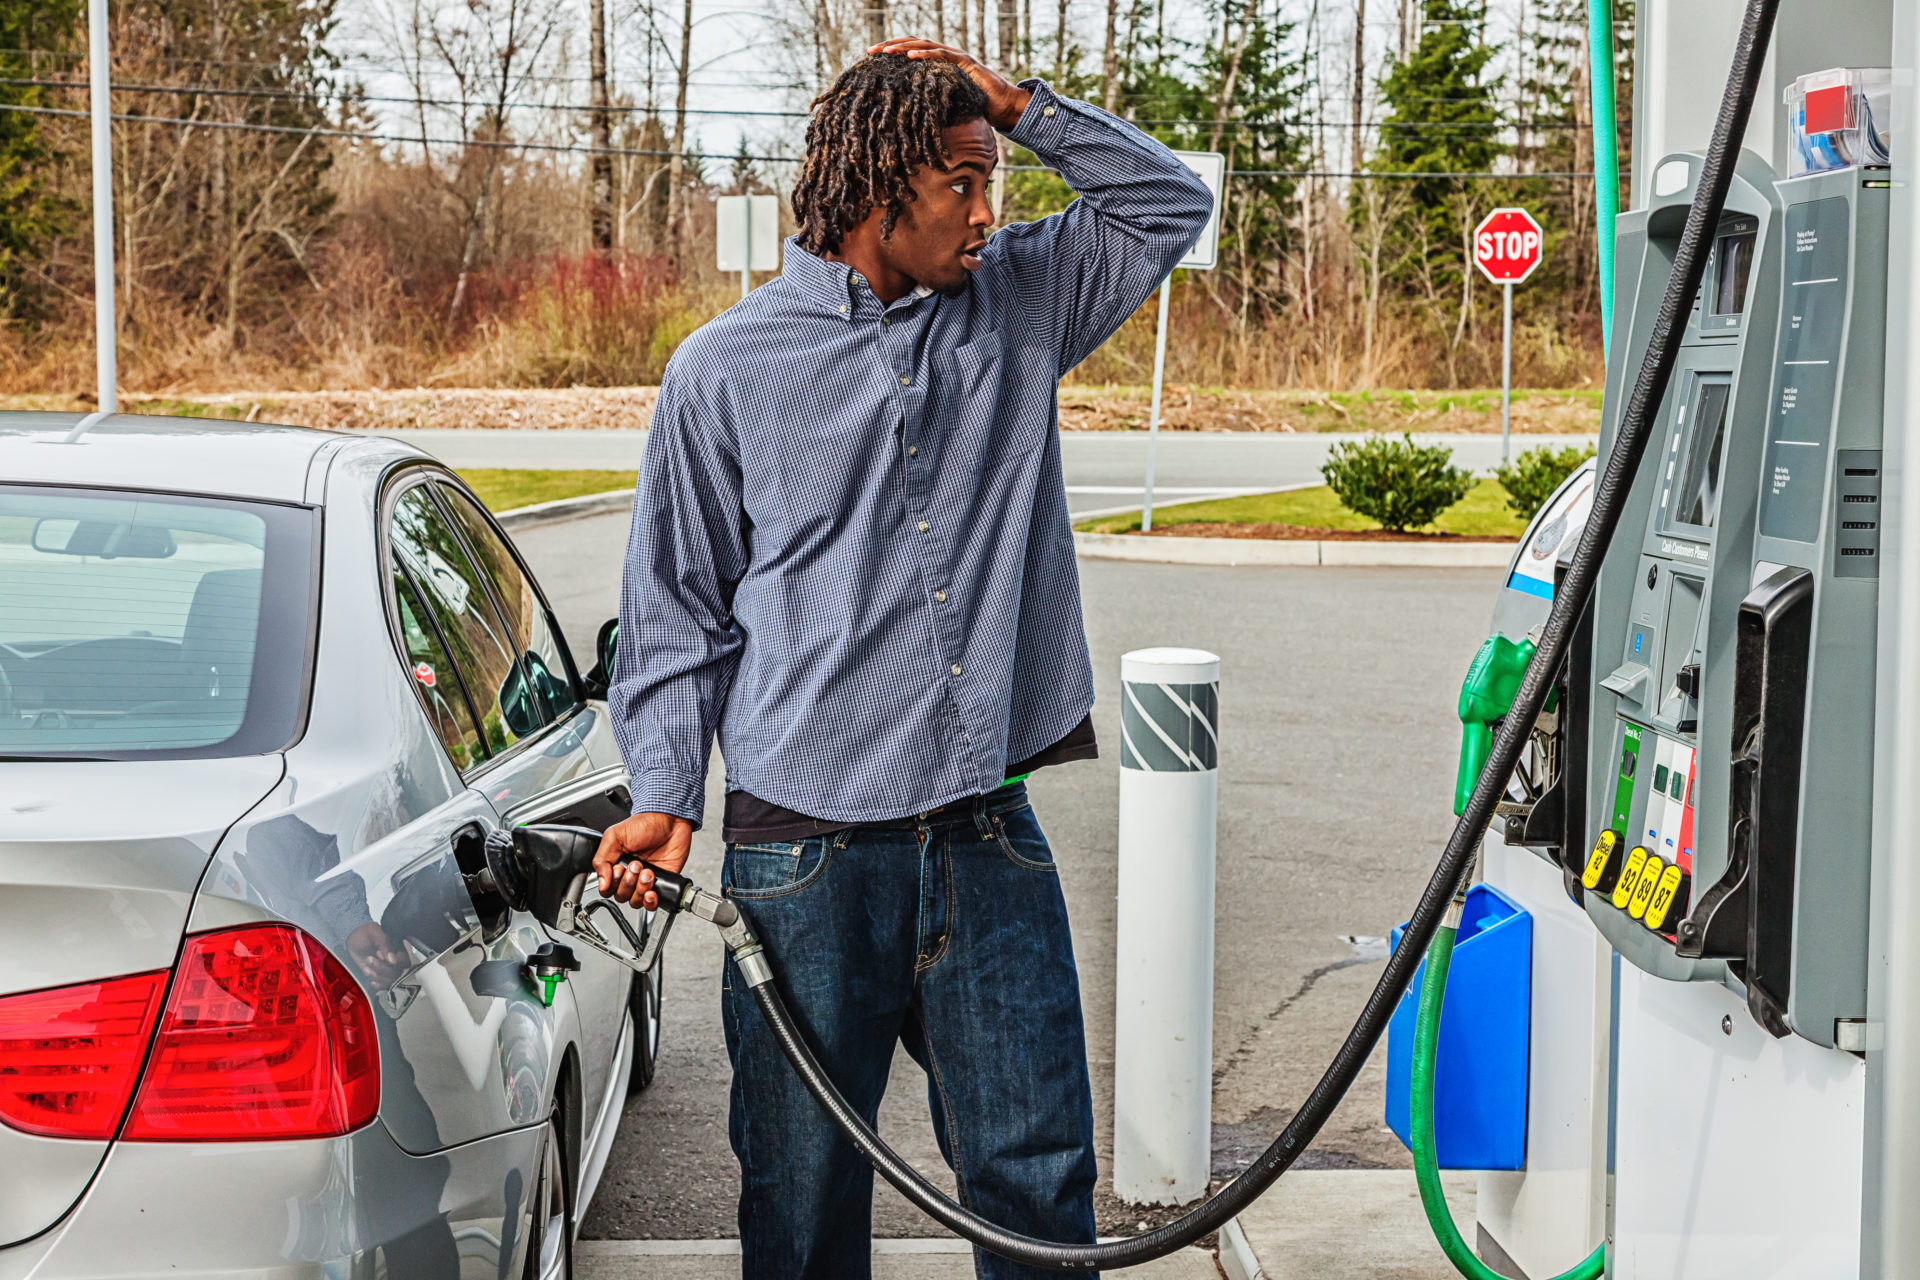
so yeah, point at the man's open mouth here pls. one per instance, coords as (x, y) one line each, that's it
(970, 256)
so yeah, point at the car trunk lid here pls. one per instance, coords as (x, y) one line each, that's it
(99, 862)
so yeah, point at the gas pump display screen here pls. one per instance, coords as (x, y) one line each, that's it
(1736, 261)
(1696, 500)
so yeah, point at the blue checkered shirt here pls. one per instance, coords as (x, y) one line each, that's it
(850, 553)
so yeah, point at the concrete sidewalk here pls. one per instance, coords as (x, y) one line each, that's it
(1354, 1224)
(892, 1260)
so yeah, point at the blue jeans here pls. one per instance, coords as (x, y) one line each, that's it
(947, 934)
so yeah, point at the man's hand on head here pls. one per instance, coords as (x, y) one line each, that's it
(657, 838)
(1005, 101)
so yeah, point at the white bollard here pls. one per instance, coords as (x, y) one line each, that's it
(1163, 985)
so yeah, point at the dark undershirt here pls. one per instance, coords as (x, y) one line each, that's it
(751, 820)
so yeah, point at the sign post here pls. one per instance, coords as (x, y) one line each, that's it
(1507, 247)
(1212, 168)
(747, 236)
(100, 108)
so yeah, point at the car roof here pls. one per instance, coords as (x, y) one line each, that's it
(172, 455)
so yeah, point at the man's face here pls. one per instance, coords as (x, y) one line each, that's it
(938, 238)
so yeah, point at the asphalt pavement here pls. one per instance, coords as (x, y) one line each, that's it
(1105, 470)
(1337, 750)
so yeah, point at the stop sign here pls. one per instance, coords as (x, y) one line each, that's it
(1507, 245)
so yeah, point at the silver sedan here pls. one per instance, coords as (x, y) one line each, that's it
(264, 693)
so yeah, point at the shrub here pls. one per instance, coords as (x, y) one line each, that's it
(1401, 484)
(1533, 476)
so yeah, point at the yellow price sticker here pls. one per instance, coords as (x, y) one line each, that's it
(1629, 877)
(1605, 854)
(1644, 887)
(1663, 895)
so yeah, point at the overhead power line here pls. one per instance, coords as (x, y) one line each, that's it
(241, 126)
(216, 91)
(575, 149)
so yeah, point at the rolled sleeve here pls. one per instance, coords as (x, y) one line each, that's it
(1140, 209)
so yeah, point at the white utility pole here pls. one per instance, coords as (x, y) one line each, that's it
(100, 100)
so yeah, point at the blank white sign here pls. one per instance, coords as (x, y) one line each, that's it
(1212, 168)
(730, 232)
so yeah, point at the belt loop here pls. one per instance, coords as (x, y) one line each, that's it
(981, 823)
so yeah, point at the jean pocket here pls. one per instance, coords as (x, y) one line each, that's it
(1022, 840)
(774, 870)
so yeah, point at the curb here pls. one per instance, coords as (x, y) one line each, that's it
(559, 509)
(1258, 551)
(1237, 1257)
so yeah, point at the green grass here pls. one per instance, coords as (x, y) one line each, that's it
(1483, 513)
(504, 488)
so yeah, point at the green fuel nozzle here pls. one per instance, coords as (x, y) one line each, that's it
(1485, 696)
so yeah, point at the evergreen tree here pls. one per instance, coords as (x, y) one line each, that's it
(1442, 117)
(32, 212)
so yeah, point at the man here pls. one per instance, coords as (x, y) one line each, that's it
(851, 558)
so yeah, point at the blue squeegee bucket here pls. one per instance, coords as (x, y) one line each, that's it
(1480, 1078)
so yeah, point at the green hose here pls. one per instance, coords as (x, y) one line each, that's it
(1426, 1169)
(1606, 153)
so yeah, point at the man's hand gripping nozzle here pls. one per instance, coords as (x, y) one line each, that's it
(545, 870)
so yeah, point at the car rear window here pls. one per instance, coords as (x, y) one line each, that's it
(138, 625)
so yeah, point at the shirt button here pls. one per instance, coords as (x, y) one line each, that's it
(886, 320)
(1047, 111)
(913, 451)
(905, 381)
(924, 526)
(843, 308)
(940, 596)
(956, 668)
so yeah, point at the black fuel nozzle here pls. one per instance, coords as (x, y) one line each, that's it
(535, 867)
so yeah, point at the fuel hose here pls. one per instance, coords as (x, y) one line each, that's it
(1609, 498)
(1426, 1168)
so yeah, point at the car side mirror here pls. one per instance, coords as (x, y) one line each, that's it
(600, 679)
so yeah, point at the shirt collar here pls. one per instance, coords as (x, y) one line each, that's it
(831, 284)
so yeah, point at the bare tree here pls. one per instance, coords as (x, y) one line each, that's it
(1060, 44)
(602, 133)
(1110, 63)
(677, 175)
(1359, 77)
(492, 52)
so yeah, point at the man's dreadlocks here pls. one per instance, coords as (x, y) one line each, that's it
(879, 122)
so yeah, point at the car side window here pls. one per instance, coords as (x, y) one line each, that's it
(435, 679)
(429, 555)
(545, 655)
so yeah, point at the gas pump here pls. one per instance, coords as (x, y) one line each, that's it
(1700, 1017)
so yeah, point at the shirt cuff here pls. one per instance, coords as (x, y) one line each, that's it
(662, 791)
(1042, 127)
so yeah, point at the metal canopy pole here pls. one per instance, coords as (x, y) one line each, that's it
(101, 108)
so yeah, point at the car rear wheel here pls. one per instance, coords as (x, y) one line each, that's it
(643, 1005)
(550, 1226)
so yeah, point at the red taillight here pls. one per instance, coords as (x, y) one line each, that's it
(265, 1035)
(69, 1058)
